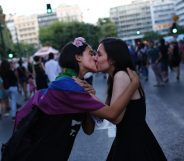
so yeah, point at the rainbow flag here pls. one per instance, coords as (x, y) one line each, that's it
(63, 96)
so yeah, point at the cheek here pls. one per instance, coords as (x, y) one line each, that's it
(102, 64)
(90, 64)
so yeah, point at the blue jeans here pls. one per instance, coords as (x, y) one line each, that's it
(13, 93)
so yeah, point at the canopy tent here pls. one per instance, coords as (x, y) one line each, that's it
(44, 51)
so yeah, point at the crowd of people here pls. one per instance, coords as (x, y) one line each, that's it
(161, 56)
(25, 78)
(47, 125)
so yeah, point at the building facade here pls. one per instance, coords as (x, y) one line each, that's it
(180, 11)
(27, 29)
(12, 28)
(162, 12)
(69, 13)
(44, 20)
(141, 16)
(132, 20)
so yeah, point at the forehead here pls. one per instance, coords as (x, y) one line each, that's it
(88, 48)
(101, 48)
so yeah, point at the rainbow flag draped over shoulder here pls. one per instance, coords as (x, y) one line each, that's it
(63, 96)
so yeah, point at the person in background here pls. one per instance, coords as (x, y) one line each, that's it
(10, 83)
(40, 76)
(89, 77)
(32, 86)
(30, 66)
(153, 56)
(2, 99)
(52, 68)
(175, 58)
(164, 60)
(22, 75)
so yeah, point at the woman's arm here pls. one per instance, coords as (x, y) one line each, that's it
(88, 125)
(120, 84)
(113, 111)
(88, 87)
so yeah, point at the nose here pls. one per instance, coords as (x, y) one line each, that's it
(95, 57)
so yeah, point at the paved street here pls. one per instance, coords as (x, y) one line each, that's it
(165, 116)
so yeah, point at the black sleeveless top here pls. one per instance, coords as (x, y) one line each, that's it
(134, 140)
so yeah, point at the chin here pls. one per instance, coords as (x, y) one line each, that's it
(94, 70)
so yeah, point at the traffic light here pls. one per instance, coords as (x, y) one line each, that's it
(174, 28)
(11, 54)
(49, 9)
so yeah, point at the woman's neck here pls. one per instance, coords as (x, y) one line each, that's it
(111, 71)
(81, 74)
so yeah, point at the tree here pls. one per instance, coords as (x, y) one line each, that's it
(151, 36)
(23, 50)
(59, 33)
(5, 36)
(107, 28)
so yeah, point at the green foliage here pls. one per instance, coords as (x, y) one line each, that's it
(60, 33)
(151, 36)
(107, 28)
(7, 41)
(23, 50)
(7, 38)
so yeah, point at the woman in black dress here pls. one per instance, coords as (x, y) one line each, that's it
(134, 140)
(175, 58)
(41, 78)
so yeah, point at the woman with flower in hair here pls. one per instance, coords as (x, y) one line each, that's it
(47, 125)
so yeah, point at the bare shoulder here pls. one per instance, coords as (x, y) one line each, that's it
(121, 75)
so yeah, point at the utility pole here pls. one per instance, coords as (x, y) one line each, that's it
(2, 23)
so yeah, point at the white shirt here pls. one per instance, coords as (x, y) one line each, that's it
(88, 75)
(52, 69)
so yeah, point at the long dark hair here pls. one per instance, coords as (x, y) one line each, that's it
(5, 67)
(117, 51)
(67, 57)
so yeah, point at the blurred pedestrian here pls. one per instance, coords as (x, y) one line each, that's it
(22, 77)
(89, 77)
(164, 60)
(175, 58)
(153, 56)
(52, 68)
(10, 84)
(2, 98)
(40, 76)
(32, 86)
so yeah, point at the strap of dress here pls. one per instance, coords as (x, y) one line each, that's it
(141, 91)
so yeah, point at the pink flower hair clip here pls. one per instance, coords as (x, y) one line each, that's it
(79, 41)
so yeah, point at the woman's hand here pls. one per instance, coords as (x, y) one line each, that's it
(88, 87)
(133, 77)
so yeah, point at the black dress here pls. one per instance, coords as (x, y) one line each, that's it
(43, 137)
(40, 77)
(134, 140)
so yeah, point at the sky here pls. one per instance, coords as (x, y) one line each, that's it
(92, 9)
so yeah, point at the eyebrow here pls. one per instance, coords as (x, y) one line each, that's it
(93, 52)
